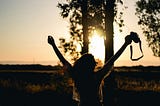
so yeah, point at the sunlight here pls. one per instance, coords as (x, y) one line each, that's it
(96, 46)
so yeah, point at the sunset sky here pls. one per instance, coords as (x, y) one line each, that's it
(25, 25)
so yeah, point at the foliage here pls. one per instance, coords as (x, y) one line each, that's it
(72, 10)
(148, 12)
(70, 48)
(94, 20)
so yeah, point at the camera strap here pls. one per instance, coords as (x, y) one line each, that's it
(131, 49)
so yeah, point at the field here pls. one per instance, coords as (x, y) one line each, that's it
(138, 88)
(130, 86)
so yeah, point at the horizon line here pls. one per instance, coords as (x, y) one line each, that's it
(51, 62)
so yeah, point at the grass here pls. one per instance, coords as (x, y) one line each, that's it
(137, 84)
(139, 88)
(36, 82)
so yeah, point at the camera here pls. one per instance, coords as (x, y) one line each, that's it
(134, 37)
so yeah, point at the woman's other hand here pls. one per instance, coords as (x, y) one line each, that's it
(128, 39)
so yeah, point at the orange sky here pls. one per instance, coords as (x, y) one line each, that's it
(25, 25)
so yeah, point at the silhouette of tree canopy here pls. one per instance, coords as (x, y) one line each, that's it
(85, 16)
(73, 10)
(148, 12)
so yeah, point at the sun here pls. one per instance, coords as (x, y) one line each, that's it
(96, 46)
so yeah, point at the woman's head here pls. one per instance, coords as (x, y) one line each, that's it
(85, 64)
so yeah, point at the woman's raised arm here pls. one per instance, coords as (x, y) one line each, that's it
(65, 63)
(108, 65)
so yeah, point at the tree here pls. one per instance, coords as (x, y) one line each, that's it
(72, 9)
(148, 12)
(88, 15)
(77, 11)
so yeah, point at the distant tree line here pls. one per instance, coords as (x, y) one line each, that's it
(29, 67)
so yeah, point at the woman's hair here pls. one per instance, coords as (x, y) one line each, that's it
(85, 64)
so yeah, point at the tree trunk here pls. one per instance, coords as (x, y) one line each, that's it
(109, 88)
(84, 9)
(109, 18)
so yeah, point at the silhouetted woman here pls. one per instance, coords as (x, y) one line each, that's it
(86, 80)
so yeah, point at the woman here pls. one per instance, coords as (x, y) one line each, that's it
(86, 80)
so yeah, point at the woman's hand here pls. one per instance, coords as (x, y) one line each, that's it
(128, 39)
(51, 40)
(58, 53)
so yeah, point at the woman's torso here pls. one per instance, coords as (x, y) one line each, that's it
(88, 88)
